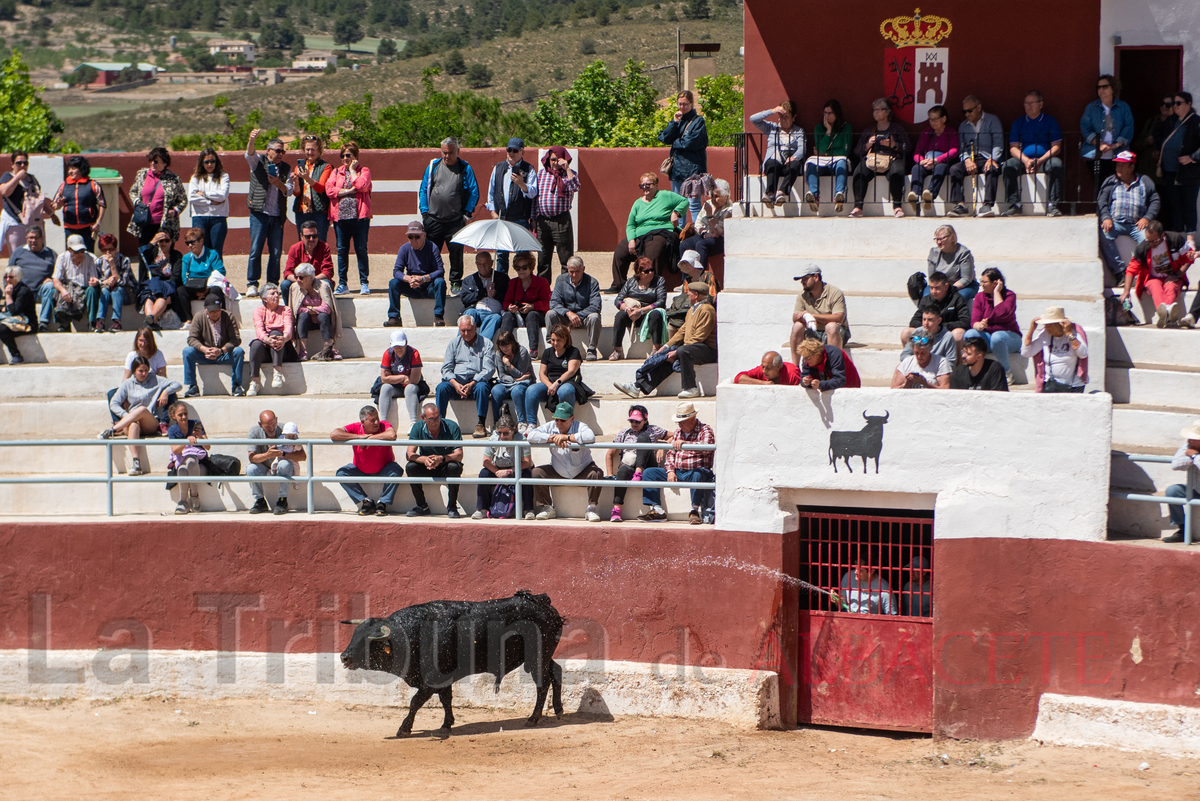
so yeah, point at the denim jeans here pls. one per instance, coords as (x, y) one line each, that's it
(435, 289)
(937, 176)
(694, 203)
(1175, 511)
(536, 395)
(1000, 343)
(285, 469)
(321, 219)
(1181, 200)
(215, 229)
(355, 491)
(482, 392)
(502, 255)
(1014, 168)
(486, 322)
(264, 230)
(1108, 243)
(840, 170)
(356, 231)
(48, 298)
(702, 499)
(704, 245)
(114, 299)
(502, 392)
(192, 357)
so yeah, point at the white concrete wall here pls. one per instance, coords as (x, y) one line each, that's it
(1079, 721)
(1000, 464)
(1152, 22)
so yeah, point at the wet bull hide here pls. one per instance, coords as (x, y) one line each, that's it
(432, 645)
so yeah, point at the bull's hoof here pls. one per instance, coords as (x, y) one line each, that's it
(533, 721)
(403, 731)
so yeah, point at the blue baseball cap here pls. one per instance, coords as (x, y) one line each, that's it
(517, 143)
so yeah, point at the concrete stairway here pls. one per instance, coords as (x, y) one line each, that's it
(59, 393)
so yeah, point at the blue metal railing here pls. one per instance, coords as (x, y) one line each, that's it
(523, 448)
(1187, 502)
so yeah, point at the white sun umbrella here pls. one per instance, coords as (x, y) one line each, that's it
(497, 235)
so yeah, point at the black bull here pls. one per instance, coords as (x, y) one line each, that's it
(866, 443)
(432, 645)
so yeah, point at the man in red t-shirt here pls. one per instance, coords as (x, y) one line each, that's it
(309, 250)
(369, 460)
(773, 370)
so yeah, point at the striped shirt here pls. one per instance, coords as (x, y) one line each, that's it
(702, 434)
(548, 203)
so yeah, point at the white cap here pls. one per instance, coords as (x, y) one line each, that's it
(692, 259)
(291, 428)
(399, 338)
(75, 242)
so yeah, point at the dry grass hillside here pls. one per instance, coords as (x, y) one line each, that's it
(534, 60)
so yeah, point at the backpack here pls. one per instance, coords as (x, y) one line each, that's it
(1115, 314)
(503, 502)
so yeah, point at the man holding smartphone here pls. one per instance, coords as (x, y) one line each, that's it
(270, 185)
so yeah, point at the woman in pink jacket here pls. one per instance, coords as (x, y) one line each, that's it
(994, 318)
(273, 323)
(349, 190)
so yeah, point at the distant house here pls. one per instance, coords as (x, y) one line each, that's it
(109, 70)
(314, 60)
(232, 48)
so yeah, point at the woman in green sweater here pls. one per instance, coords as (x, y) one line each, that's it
(650, 230)
(832, 141)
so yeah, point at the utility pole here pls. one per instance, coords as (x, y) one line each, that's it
(678, 64)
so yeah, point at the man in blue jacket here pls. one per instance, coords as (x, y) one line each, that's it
(688, 137)
(447, 201)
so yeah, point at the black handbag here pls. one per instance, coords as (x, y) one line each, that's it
(220, 464)
(141, 213)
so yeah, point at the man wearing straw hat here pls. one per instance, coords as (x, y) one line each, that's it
(692, 345)
(681, 465)
(1059, 352)
(1186, 458)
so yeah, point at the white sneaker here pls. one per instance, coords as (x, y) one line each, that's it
(479, 515)
(364, 290)
(985, 211)
(522, 428)
(1187, 321)
(547, 513)
(530, 516)
(592, 517)
(1160, 316)
(277, 380)
(252, 291)
(252, 390)
(1175, 312)
(628, 389)
(694, 392)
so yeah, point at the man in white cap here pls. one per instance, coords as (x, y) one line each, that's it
(692, 270)
(821, 309)
(1059, 352)
(1126, 204)
(418, 273)
(271, 460)
(1187, 458)
(400, 377)
(681, 465)
(76, 280)
(692, 345)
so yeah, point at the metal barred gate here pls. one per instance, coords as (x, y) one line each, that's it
(866, 658)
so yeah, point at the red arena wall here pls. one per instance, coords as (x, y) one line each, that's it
(812, 53)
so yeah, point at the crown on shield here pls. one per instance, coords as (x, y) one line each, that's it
(915, 31)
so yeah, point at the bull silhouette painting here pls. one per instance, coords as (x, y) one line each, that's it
(866, 443)
(432, 645)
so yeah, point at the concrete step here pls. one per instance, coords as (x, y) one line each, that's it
(1144, 308)
(90, 348)
(151, 497)
(1025, 238)
(1032, 278)
(1168, 386)
(85, 418)
(348, 377)
(1138, 427)
(1146, 346)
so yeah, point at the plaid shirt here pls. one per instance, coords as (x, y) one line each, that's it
(1128, 202)
(702, 434)
(548, 203)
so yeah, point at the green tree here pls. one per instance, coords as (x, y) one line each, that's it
(234, 137)
(347, 31)
(8, 9)
(721, 101)
(585, 114)
(479, 76)
(82, 76)
(386, 51)
(455, 63)
(202, 62)
(26, 122)
(696, 9)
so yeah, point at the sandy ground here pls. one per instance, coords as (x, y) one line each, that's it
(168, 748)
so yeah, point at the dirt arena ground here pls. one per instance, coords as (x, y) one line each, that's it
(155, 748)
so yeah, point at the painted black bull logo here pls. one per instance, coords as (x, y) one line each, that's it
(865, 443)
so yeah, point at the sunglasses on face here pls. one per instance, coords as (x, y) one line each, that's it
(644, 187)
(20, 163)
(513, 150)
(969, 110)
(1168, 103)
(1179, 103)
(210, 161)
(309, 236)
(347, 156)
(1103, 86)
(417, 236)
(311, 138)
(523, 267)
(194, 241)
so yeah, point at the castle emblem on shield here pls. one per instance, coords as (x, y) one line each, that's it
(916, 73)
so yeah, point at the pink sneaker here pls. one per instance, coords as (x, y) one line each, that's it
(616, 515)
(637, 475)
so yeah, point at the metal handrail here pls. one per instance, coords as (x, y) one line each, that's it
(1187, 502)
(309, 479)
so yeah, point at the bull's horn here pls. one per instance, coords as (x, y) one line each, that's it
(886, 414)
(384, 633)
(864, 414)
(352, 622)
